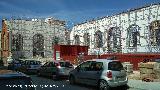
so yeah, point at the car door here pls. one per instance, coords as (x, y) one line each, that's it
(67, 68)
(82, 74)
(51, 69)
(48, 69)
(43, 68)
(94, 72)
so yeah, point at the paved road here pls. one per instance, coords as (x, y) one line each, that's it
(44, 83)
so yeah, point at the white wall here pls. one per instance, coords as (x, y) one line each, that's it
(141, 17)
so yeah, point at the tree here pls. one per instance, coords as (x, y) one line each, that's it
(55, 40)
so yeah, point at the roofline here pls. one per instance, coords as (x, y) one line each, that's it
(132, 9)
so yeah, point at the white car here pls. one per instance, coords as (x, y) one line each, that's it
(102, 73)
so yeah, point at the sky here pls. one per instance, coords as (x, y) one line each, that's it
(72, 11)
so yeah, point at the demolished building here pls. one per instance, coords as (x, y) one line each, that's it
(133, 31)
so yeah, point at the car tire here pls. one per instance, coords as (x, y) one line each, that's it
(71, 80)
(125, 87)
(38, 73)
(103, 85)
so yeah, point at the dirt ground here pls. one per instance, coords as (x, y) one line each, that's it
(136, 76)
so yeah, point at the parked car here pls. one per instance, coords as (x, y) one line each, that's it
(15, 64)
(12, 80)
(55, 69)
(102, 73)
(30, 66)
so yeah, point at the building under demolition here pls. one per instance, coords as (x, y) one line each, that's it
(23, 38)
(136, 30)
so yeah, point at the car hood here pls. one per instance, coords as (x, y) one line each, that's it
(10, 73)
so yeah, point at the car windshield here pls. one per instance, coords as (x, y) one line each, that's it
(115, 66)
(34, 62)
(16, 84)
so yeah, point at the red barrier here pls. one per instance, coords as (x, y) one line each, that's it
(133, 58)
(72, 53)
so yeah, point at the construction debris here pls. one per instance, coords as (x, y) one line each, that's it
(128, 67)
(135, 75)
(149, 71)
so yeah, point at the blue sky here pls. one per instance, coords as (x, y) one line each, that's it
(73, 11)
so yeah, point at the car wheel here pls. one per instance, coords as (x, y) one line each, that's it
(71, 80)
(38, 73)
(103, 85)
(125, 87)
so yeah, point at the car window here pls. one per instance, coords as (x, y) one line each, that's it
(96, 66)
(62, 64)
(34, 62)
(68, 64)
(85, 66)
(52, 64)
(46, 64)
(115, 66)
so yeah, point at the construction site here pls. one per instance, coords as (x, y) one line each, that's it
(32, 38)
(131, 36)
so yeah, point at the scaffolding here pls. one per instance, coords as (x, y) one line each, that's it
(34, 38)
(126, 32)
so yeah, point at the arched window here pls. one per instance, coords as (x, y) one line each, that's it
(38, 45)
(13, 42)
(98, 39)
(114, 40)
(18, 42)
(155, 33)
(77, 39)
(133, 36)
(86, 39)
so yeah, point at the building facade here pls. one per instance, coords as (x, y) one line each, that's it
(133, 31)
(4, 43)
(34, 37)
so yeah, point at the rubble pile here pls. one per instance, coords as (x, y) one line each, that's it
(149, 71)
(128, 67)
(135, 75)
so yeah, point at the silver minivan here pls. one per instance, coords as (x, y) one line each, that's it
(102, 73)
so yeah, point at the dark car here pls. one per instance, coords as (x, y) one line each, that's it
(55, 69)
(12, 80)
(15, 64)
(30, 66)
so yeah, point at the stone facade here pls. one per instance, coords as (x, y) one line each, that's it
(35, 37)
(4, 42)
(134, 31)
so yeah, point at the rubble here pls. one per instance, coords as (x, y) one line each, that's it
(128, 67)
(149, 71)
(134, 76)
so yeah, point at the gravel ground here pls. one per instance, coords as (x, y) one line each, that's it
(135, 83)
(139, 85)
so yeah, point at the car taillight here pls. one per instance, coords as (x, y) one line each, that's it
(109, 74)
